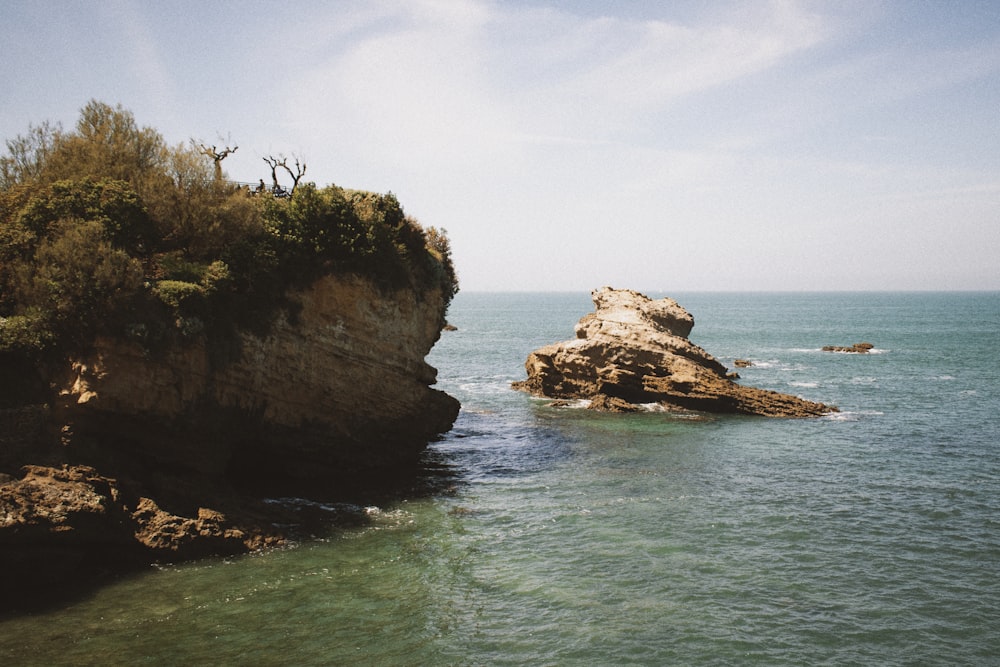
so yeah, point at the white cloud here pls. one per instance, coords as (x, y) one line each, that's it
(537, 137)
(646, 64)
(445, 83)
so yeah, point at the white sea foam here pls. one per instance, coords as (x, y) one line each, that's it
(852, 416)
(805, 385)
(484, 388)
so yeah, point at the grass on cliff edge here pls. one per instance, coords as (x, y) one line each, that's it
(105, 230)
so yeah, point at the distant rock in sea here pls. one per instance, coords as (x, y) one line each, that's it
(857, 348)
(633, 350)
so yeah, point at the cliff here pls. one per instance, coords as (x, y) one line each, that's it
(166, 455)
(340, 387)
(634, 350)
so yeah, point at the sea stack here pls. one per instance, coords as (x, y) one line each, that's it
(635, 349)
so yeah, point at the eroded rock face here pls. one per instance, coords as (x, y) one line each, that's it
(636, 349)
(56, 523)
(342, 388)
(171, 455)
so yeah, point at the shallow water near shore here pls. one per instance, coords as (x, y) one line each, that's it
(566, 537)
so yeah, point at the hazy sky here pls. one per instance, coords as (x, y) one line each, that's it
(662, 146)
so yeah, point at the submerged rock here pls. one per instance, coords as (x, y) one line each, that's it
(857, 348)
(635, 350)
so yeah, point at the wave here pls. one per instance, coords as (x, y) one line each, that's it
(779, 365)
(568, 404)
(852, 415)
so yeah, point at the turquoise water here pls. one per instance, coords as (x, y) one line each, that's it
(571, 538)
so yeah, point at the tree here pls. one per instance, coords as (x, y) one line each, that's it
(107, 143)
(105, 230)
(217, 156)
(282, 161)
(27, 154)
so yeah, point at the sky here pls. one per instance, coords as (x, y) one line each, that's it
(564, 146)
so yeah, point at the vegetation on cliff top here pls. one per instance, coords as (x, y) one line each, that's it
(107, 230)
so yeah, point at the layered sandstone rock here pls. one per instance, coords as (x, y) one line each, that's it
(170, 454)
(636, 350)
(341, 387)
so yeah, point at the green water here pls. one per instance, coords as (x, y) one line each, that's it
(564, 537)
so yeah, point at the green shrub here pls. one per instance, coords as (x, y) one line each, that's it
(25, 334)
(106, 230)
(77, 281)
(180, 295)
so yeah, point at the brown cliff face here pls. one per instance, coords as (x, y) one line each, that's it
(341, 388)
(169, 455)
(636, 350)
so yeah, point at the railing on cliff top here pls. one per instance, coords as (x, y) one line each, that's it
(279, 191)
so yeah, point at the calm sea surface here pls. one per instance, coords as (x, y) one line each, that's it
(565, 537)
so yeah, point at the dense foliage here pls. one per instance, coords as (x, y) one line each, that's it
(107, 230)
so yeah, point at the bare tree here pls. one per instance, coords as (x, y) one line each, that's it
(282, 161)
(217, 157)
(296, 176)
(273, 163)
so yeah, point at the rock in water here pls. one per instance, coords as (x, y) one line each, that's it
(635, 349)
(857, 348)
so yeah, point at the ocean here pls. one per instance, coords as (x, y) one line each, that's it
(560, 536)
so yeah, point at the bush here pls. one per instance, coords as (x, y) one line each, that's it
(113, 204)
(78, 281)
(105, 230)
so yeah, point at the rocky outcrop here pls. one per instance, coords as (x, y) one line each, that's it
(55, 520)
(168, 454)
(636, 350)
(341, 387)
(857, 348)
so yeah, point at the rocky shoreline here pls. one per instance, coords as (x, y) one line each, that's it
(633, 350)
(143, 457)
